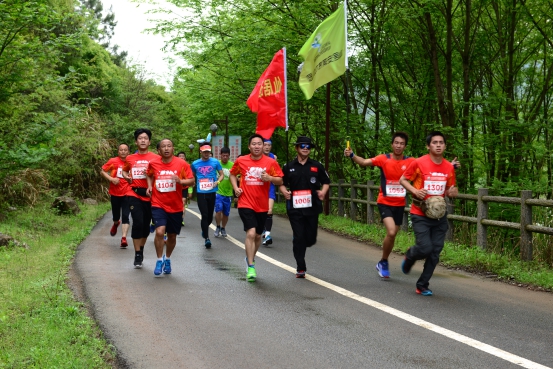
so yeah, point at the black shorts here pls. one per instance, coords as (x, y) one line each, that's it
(395, 212)
(252, 219)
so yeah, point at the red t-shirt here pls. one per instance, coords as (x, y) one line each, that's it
(391, 192)
(424, 173)
(114, 167)
(167, 193)
(255, 193)
(136, 165)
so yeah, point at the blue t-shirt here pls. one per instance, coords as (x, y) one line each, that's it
(206, 172)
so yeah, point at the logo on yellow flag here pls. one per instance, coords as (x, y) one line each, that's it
(324, 53)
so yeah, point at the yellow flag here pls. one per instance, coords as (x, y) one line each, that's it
(324, 53)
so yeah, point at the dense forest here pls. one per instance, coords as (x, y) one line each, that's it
(479, 70)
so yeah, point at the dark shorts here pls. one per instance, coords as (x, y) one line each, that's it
(395, 212)
(222, 203)
(252, 219)
(171, 221)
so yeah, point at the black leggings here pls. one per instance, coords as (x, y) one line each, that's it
(120, 208)
(206, 204)
(141, 212)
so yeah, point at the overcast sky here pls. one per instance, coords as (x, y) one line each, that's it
(143, 48)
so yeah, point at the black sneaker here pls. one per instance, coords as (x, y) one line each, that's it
(406, 265)
(207, 243)
(138, 259)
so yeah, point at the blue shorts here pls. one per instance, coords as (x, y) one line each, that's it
(222, 203)
(272, 192)
(171, 221)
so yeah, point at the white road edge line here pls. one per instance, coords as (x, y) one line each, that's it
(507, 356)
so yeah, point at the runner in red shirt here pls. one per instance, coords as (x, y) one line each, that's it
(118, 187)
(134, 171)
(430, 175)
(166, 178)
(256, 172)
(391, 197)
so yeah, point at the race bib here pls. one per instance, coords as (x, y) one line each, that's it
(435, 185)
(301, 199)
(120, 172)
(139, 172)
(206, 184)
(166, 185)
(394, 189)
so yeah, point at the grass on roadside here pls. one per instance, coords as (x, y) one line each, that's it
(41, 324)
(454, 255)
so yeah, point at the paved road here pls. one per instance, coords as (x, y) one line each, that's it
(206, 315)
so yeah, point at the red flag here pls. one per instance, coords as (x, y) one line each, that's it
(268, 98)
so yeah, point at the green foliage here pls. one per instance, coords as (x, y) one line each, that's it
(42, 326)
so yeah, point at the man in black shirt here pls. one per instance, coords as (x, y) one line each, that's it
(307, 182)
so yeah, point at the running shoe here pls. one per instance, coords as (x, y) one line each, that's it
(182, 223)
(124, 242)
(165, 237)
(217, 231)
(152, 228)
(159, 267)
(407, 264)
(113, 230)
(251, 274)
(207, 243)
(382, 269)
(166, 265)
(223, 232)
(268, 241)
(423, 291)
(248, 265)
(300, 274)
(138, 258)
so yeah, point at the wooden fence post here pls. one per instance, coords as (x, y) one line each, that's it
(482, 230)
(405, 223)
(450, 210)
(352, 204)
(370, 208)
(526, 250)
(340, 196)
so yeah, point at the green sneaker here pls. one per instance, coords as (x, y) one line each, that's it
(251, 274)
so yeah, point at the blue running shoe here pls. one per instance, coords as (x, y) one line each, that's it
(152, 228)
(267, 241)
(207, 243)
(424, 291)
(159, 267)
(166, 265)
(382, 269)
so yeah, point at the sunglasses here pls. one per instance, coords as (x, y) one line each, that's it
(305, 146)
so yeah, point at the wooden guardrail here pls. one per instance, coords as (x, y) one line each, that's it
(525, 226)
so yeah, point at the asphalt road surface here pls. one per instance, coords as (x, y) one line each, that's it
(206, 315)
